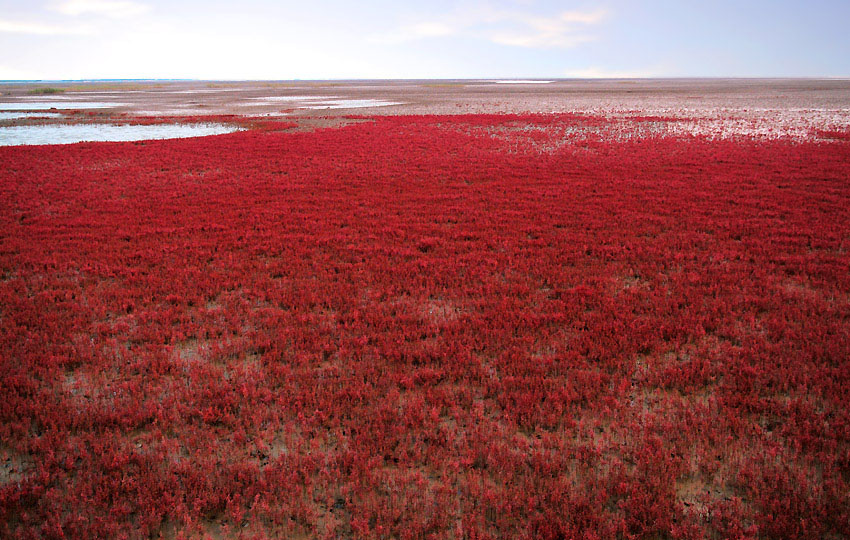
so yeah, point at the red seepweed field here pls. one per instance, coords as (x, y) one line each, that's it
(485, 326)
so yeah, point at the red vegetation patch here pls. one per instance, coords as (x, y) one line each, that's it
(446, 327)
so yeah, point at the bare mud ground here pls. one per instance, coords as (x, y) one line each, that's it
(724, 107)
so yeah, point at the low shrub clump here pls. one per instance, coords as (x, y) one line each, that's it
(45, 91)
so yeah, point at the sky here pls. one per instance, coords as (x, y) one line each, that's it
(394, 39)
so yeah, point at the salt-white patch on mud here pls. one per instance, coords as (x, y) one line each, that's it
(47, 105)
(349, 104)
(202, 91)
(74, 133)
(319, 102)
(800, 124)
(77, 93)
(185, 111)
(271, 100)
(266, 115)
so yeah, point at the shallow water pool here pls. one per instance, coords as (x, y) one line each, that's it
(46, 105)
(320, 102)
(18, 115)
(74, 133)
(293, 98)
(522, 81)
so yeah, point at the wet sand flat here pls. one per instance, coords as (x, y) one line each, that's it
(452, 97)
(775, 107)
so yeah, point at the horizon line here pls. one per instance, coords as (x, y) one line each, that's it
(478, 79)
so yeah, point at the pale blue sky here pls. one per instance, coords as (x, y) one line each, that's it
(263, 39)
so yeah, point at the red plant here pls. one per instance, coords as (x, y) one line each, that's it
(539, 326)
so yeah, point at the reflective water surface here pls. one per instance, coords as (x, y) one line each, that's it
(46, 105)
(18, 115)
(73, 133)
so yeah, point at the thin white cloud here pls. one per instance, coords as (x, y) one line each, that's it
(550, 32)
(412, 32)
(505, 27)
(583, 17)
(115, 9)
(41, 29)
(430, 29)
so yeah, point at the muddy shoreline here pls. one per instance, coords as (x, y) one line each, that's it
(445, 97)
(780, 107)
